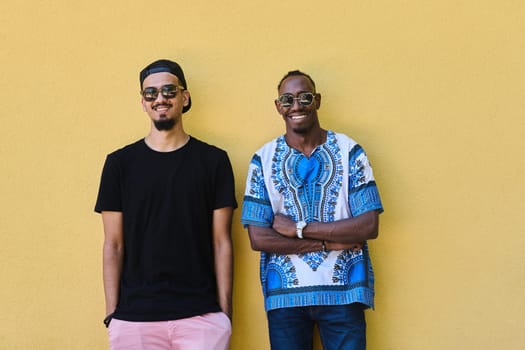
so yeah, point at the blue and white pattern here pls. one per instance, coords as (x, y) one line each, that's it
(334, 183)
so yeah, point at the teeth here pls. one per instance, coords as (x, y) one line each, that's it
(295, 117)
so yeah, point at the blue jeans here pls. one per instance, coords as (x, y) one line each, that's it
(340, 327)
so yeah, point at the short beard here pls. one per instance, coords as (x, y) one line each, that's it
(300, 131)
(164, 124)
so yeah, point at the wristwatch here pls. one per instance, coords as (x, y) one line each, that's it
(299, 228)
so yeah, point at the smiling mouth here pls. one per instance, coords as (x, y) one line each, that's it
(161, 108)
(297, 117)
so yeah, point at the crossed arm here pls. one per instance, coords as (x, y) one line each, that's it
(342, 234)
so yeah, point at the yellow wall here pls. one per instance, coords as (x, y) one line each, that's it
(434, 91)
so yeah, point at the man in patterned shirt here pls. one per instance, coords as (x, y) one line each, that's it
(310, 205)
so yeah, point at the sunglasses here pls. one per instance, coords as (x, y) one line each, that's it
(304, 99)
(167, 91)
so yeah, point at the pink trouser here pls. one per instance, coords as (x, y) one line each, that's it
(206, 332)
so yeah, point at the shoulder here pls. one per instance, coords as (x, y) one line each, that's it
(204, 146)
(126, 152)
(345, 141)
(197, 145)
(270, 147)
(132, 147)
(201, 151)
(266, 153)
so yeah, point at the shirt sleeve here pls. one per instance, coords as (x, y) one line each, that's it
(257, 208)
(363, 194)
(109, 193)
(225, 184)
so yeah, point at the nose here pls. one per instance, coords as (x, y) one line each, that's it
(161, 97)
(295, 105)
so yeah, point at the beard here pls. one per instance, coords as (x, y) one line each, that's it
(164, 124)
(301, 131)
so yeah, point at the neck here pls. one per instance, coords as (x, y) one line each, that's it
(166, 141)
(306, 143)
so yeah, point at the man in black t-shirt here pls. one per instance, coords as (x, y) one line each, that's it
(167, 202)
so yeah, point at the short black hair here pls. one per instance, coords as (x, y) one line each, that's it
(295, 73)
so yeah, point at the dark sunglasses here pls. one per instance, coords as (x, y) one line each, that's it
(304, 99)
(167, 91)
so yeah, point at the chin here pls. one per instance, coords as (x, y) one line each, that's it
(300, 130)
(164, 124)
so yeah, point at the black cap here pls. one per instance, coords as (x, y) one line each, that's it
(166, 66)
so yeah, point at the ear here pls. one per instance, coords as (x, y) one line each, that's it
(317, 101)
(143, 103)
(186, 97)
(277, 106)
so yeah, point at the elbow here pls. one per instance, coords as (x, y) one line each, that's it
(373, 234)
(255, 240)
(112, 250)
(372, 227)
(255, 245)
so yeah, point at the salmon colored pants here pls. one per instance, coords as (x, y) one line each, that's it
(206, 332)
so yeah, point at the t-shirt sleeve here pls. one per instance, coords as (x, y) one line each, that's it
(109, 194)
(256, 207)
(363, 194)
(225, 184)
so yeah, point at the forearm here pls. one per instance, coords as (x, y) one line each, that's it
(348, 231)
(111, 269)
(268, 240)
(224, 275)
(223, 255)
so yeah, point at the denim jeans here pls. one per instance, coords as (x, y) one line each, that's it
(340, 327)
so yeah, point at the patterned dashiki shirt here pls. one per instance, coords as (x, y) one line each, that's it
(335, 182)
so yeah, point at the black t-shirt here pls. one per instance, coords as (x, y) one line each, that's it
(167, 200)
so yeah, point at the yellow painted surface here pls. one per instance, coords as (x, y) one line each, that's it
(434, 91)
